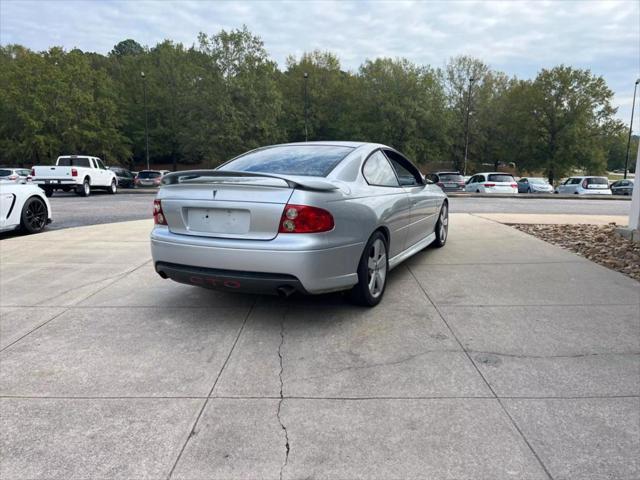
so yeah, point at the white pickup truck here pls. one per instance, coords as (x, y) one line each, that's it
(77, 172)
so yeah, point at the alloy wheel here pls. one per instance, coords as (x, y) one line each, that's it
(377, 267)
(444, 223)
(36, 215)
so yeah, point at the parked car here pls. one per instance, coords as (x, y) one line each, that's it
(15, 175)
(149, 178)
(23, 206)
(584, 185)
(534, 185)
(492, 182)
(622, 187)
(125, 177)
(310, 217)
(448, 181)
(77, 172)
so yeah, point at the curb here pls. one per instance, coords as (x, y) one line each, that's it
(541, 196)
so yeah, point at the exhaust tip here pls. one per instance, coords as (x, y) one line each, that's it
(285, 290)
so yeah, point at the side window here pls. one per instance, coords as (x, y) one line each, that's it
(99, 164)
(377, 171)
(574, 181)
(433, 177)
(407, 173)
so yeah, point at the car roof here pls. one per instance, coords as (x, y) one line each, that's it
(327, 143)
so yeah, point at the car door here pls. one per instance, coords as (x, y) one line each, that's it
(7, 200)
(470, 186)
(424, 203)
(388, 199)
(103, 173)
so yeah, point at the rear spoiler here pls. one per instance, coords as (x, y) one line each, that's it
(218, 176)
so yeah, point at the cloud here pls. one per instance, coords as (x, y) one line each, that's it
(517, 37)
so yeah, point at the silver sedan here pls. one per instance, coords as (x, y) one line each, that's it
(310, 217)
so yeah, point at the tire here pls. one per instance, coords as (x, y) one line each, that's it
(113, 188)
(478, 191)
(84, 190)
(48, 191)
(529, 190)
(442, 227)
(34, 215)
(373, 270)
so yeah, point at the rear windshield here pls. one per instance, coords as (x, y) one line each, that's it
(149, 174)
(597, 181)
(311, 160)
(499, 177)
(450, 177)
(74, 162)
(5, 173)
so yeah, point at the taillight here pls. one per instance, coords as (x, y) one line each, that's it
(158, 214)
(440, 184)
(514, 185)
(74, 172)
(33, 172)
(489, 185)
(305, 219)
(584, 183)
(13, 177)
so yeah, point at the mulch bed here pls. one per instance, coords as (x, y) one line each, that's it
(598, 243)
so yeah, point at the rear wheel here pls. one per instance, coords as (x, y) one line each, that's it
(84, 190)
(34, 215)
(442, 227)
(372, 272)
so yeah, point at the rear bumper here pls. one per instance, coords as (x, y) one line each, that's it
(594, 192)
(54, 182)
(258, 266)
(232, 280)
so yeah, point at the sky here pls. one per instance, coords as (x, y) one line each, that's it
(517, 37)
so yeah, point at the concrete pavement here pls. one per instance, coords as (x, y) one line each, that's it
(497, 357)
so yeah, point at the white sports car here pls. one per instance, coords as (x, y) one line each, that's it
(23, 206)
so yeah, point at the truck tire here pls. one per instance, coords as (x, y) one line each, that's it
(84, 190)
(113, 188)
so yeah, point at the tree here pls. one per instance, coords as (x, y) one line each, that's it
(127, 47)
(572, 114)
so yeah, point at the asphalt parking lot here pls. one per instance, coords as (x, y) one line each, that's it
(73, 211)
(497, 357)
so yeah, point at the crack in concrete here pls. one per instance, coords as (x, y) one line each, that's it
(281, 400)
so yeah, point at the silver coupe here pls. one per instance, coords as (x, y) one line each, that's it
(310, 217)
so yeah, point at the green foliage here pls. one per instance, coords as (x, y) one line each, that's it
(224, 95)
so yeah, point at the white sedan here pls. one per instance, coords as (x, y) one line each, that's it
(492, 182)
(23, 206)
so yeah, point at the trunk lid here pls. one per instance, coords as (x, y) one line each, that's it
(228, 207)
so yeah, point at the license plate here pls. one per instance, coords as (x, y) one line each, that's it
(219, 220)
(451, 185)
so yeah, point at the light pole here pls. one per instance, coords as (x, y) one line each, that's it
(306, 109)
(633, 105)
(146, 116)
(466, 127)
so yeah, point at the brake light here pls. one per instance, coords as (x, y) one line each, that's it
(74, 172)
(158, 214)
(33, 172)
(514, 185)
(584, 183)
(13, 177)
(305, 219)
(489, 185)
